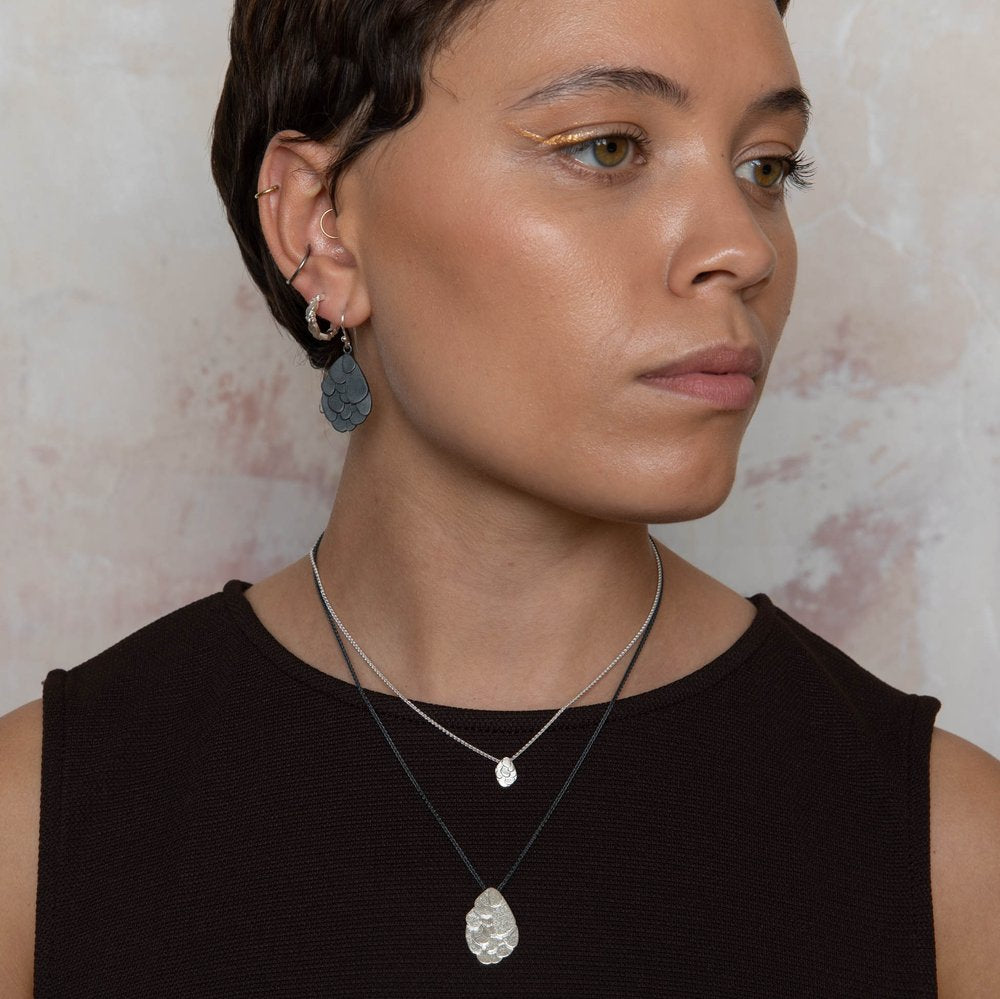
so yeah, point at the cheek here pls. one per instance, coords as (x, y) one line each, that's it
(792, 267)
(787, 268)
(485, 309)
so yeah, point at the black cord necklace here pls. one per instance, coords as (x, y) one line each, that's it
(490, 927)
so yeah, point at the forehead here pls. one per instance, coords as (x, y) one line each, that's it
(513, 47)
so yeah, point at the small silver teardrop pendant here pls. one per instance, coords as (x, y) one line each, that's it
(506, 772)
(490, 928)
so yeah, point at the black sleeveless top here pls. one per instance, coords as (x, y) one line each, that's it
(220, 819)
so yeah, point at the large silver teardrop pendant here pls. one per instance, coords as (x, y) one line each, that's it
(490, 929)
(506, 772)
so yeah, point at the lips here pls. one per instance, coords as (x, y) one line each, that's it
(721, 376)
(721, 360)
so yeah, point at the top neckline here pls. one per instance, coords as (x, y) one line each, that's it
(486, 720)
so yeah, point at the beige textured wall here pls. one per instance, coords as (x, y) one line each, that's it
(160, 437)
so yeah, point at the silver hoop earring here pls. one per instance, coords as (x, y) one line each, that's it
(313, 323)
(346, 400)
(302, 264)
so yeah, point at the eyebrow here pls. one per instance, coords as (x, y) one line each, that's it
(646, 82)
(628, 79)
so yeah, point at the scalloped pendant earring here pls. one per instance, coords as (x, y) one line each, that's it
(346, 400)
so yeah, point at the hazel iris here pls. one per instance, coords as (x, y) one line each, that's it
(769, 172)
(611, 151)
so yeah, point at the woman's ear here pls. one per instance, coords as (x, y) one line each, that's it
(296, 214)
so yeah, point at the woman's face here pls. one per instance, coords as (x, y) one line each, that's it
(531, 261)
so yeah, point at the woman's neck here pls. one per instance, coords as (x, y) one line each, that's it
(466, 592)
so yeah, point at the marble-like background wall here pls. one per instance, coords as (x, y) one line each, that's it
(160, 436)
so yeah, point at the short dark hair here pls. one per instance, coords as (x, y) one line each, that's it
(319, 67)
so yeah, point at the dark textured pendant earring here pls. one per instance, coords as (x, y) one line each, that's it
(346, 400)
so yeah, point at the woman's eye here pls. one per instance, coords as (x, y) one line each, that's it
(606, 153)
(773, 173)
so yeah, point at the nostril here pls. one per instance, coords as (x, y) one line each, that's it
(703, 276)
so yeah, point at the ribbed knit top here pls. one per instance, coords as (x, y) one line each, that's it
(220, 819)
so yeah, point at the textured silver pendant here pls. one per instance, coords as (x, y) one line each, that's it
(506, 773)
(346, 399)
(490, 929)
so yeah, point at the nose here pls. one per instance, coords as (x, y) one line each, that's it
(721, 245)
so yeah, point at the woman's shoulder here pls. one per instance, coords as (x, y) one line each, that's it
(157, 662)
(963, 786)
(823, 680)
(170, 653)
(965, 866)
(20, 796)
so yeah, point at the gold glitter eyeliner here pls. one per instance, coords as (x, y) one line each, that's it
(566, 139)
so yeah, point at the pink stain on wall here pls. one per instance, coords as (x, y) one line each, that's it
(247, 301)
(853, 431)
(841, 356)
(254, 431)
(185, 396)
(244, 405)
(44, 455)
(865, 589)
(784, 470)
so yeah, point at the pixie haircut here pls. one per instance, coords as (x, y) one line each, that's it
(346, 68)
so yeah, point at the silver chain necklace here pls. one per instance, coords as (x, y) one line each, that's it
(491, 932)
(505, 771)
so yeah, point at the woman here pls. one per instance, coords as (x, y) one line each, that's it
(563, 272)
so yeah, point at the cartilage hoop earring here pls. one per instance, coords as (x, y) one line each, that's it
(302, 264)
(267, 190)
(322, 227)
(346, 400)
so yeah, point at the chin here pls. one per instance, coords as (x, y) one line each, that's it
(652, 496)
(677, 509)
(681, 487)
(688, 508)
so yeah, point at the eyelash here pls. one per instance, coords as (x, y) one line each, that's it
(799, 169)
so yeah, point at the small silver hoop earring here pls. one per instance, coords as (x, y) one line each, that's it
(345, 340)
(322, 219)
(313, 323)
(302, 264)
